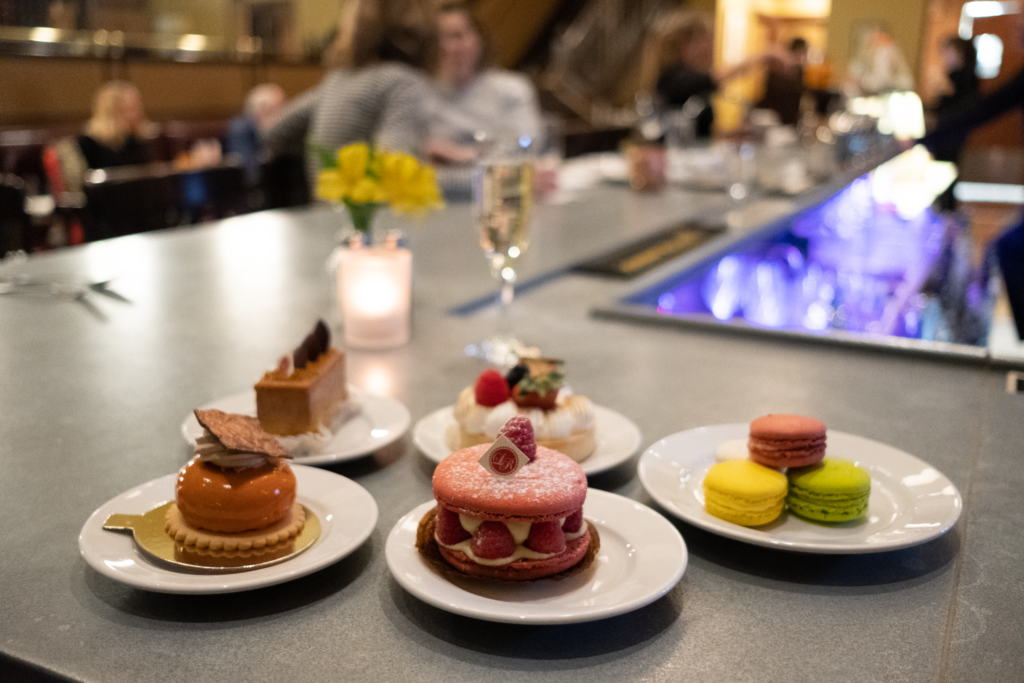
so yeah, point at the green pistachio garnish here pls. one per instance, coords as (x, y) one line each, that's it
(541, 384)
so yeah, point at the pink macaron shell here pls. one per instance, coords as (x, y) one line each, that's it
(786, 426)
(550, 487)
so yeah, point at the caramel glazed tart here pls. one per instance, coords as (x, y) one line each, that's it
(210, 449)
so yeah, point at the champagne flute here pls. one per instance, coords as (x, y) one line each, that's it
(503, 203)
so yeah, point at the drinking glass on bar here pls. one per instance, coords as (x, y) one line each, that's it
(502, 206)
(680, 139)
(549, 152)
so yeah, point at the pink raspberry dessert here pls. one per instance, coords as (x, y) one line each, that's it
(521, 527)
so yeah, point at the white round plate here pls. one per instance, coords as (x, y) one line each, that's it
(911, 502)
(347, 512)
(380, 422)
(642, 557)
(618, 438)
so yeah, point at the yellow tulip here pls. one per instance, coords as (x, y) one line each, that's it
(365, 177)
(352, 162)
(330, 185)
(410, 187)
(367, 190)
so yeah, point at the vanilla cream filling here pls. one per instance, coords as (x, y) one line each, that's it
(210, 449)
(520, 532)
(572, 414)
(521, 552)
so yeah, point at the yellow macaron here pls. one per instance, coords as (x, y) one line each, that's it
(744, 493)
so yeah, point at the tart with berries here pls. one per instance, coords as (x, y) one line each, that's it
(561, 420)
(522, 527)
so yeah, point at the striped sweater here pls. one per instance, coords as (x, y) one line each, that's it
(383, 103)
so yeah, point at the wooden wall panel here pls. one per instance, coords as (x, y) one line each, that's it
(295, 79)
(513, 26)
(190, 91)
(37, 92)
(1006, 130)
(40, 91)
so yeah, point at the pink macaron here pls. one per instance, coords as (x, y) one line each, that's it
(518, 528)
(786, 440)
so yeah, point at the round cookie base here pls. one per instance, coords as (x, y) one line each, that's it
(230, 559)
(428, 547)
(180, 530)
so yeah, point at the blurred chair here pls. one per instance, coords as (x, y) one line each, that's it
(128, 205)
(284, 182)
(134, 199)
(15, 226)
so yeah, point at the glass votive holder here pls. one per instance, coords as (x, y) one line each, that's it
(374, 293)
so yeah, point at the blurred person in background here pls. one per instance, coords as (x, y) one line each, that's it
(959, 91)
(376, 88)
(878, 66)
(1009, 248)
(784, 83)
(116, 134)
(469, 97)
(960, 63)
(262, 107)
(685, 46)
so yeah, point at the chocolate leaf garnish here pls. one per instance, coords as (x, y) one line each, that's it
(240, 433)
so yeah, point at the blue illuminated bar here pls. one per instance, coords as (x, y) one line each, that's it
(852, 268)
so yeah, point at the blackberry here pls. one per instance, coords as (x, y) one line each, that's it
(516, 374)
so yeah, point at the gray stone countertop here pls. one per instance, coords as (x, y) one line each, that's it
(91, 404)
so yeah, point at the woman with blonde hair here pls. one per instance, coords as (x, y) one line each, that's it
(115, 135)
(685, 56)
(377, 88)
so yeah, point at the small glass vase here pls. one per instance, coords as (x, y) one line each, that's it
(373, 280)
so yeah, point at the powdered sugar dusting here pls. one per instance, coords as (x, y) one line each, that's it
(550, 484)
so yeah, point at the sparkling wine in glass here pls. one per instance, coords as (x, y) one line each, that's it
(503, 203)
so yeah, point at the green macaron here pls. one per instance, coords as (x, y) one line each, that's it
(832, 491)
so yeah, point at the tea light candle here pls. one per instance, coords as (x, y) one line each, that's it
(374, 287)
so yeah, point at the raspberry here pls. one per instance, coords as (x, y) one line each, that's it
(519, 430)
(493, 541)
(449, 528)
(546, 537)
(573, 522)
(491, 388)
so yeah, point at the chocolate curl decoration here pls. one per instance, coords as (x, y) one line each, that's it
(301, 357)
(323, 336)
(313, 346)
